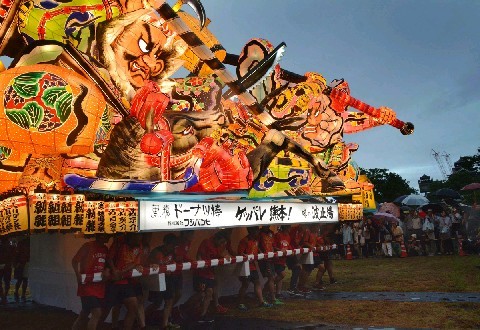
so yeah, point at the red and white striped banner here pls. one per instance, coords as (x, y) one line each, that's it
(97, 277)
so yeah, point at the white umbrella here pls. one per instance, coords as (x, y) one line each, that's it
(415, 200)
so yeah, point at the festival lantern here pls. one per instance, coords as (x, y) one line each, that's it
(78, 210)
(100, 218)
(111, 217)
(66, 212)
(7, 216)
(38, 210)
(132, 216)
(19, 215)
(120, 216)
(53, 210)
(350, 211)
(89, 222)
(122, 220)
(94, 217)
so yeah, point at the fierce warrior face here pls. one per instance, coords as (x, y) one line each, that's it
(138, 51)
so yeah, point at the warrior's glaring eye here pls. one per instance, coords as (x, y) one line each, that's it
(143, 46)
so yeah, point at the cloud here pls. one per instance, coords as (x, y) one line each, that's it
(408, 170)
(463, 93)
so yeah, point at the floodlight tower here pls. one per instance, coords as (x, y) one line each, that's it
(436, 155)
(448, 161)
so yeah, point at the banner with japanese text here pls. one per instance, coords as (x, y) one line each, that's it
(352, 212)
(111, 209)
(38, 211)
(53, 211)
(19, 208)
(78, 210)
(13, 215)
(180, 215)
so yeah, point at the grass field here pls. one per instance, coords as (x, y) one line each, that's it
(419, 274)
(416, 274)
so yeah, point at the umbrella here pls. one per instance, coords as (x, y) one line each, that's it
(472, 186)
(435, 207)
(399, 200)
(384, 216)
(414, 200)
(390, 208)
(447, 193)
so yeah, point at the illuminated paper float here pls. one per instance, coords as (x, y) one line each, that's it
(67, 103)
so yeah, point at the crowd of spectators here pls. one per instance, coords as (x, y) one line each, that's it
(422, 233)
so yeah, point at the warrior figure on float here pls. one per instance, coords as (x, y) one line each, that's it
(88, 93)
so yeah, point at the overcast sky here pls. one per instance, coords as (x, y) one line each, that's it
(420, 58)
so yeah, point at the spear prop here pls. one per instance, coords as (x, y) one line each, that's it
(405, 128)
(254, 75)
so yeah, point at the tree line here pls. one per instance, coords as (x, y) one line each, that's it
(390, 185)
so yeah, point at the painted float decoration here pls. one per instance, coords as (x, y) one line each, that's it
(88, 103)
